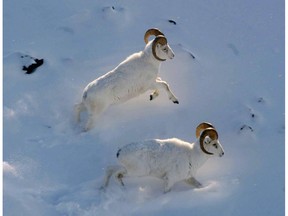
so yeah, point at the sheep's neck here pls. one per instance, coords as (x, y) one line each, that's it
(150, 58)
(197, 158)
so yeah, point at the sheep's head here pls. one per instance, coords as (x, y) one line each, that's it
(208, 140)
(160, 48)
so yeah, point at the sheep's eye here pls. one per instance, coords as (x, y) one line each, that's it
(215, 145)
(165, 49)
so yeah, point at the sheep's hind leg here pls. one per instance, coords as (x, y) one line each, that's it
(120, 175)
(192, 181)
(167, 183)
(154, 94)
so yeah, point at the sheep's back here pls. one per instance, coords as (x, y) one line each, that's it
(152, 157)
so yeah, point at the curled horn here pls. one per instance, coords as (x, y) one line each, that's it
(161, 40)
(212, 133)
(150, 32)
(202, 126)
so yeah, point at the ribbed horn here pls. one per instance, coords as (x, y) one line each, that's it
(202, 126)
(212, 133)
(161, 40)
(150, 32)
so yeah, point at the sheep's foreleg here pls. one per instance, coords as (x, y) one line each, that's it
(164, 85)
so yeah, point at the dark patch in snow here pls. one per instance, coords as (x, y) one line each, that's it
(186, 50)
(233, 48)
(252, 114)
(118, 153)
(112, 8)
(66, 29)
(172, 21)
(246, 127)
(32, 67)
(261, 100)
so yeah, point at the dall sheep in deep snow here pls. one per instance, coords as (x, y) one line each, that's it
(171, 160)
(132, 77)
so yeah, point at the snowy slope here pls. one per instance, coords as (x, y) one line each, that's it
(236, 82)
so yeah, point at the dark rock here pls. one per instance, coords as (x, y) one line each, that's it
(31, 68)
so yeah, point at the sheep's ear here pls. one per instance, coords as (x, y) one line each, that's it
(207, 140)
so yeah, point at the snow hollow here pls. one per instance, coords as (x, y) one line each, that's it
(228, 69)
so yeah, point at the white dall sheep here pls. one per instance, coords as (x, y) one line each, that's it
(132, 77)
(171, 160)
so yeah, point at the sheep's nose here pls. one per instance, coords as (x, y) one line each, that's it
(221, 154)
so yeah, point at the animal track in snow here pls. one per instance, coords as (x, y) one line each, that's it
(252, 117)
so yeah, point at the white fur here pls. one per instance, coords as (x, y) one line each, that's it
(171, 160)
(132, 77)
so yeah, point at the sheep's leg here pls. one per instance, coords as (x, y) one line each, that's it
(154, 94)
(167, 183)
(194, 182)
(109, 172)
(120, 178)
(120, 175)
(164, 85)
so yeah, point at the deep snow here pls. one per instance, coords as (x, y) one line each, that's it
(236, 82)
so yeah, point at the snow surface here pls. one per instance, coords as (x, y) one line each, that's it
(235, 82)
